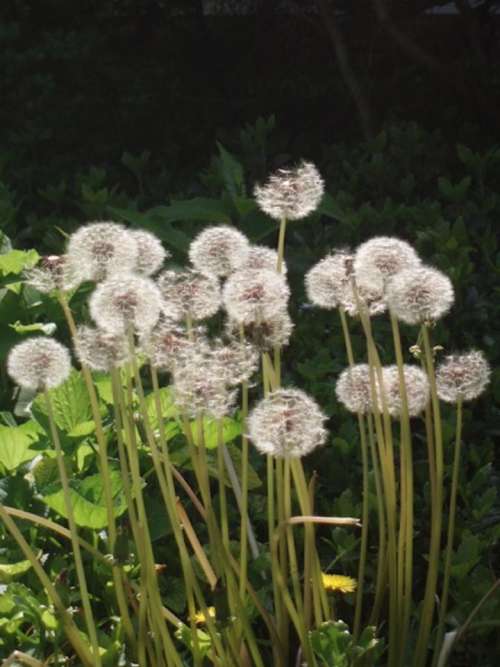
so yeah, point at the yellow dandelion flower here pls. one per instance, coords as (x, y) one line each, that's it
(200, 617)
(338, 582)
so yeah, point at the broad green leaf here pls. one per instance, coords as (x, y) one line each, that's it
(168, 409)
(82, 429)
(16, 261)
(15, 447)
(232, 172)
(87, 498)
(332, 209)
(9, 571)
(49, 620)
(70, 401)
(104, 387)
(231, 429)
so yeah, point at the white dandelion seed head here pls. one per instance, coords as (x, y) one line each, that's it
(255, 296)
(101, 249)
(462, 376)
(329, 281)
(287, 423)
(219, 250)
(416, 386)
(262, 257)
(39, 363)
(100, 350)
(384, 255)
(238, 360)
(369, 295)
(168, 342)
(419, 295)
(353, 389)
(200, 385)
(189, 293)
(264, 335)
(53, 272)
(150, 252)
(126, 301)
(291, 193)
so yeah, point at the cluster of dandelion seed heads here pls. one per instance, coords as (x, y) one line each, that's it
(100, 249)
(189, 293)
(150, 252)
(53, 272)
(39, 363)
(287, 423)
(126, 302)
(218, 251)
(99, 349)
(329, 280)
(385, 256)
(168, 342)
(419, 295)
(264, 335)
(462, 376)
(200, 384)
(291, 193)
(262, 257)
(417, 390)
(353, 389)
(255, 296)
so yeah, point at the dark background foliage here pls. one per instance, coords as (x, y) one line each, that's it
(164, 115)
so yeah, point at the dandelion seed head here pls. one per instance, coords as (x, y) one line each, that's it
(39, 363)
(219, 250)
(126, 301)
(189, 293)
(237, 360)
(255, 296)
(150, 252)
(100, 350)
(353, 389)
(417, 390)
(462, 376)
(338, 582)
(168, 342)
(369, 296)
(267, 334)
(53, 272)
(287, 423)
(328, 282)
(291, 193)
(100, 249)
(262, 257)
(419, 295)
(384, 255)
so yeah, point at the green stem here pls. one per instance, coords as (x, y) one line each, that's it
(451, 531)
(77, 554)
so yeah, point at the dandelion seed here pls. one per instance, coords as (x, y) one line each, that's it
(329, 281)
(417, 390)
(262, 257)
(217, 251)
(39, 363)
(287, 423)
(100, 350)
(126, 301)
(383, 255)
(338, 582)
(291, 193)
(54, 272)
(420, 295)
(189, 294)
(150, 252)
(462, 376)
(254, 296)
(353, 389)
(101, 248)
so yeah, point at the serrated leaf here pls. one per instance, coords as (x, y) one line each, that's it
(16, 261)
(70, 402)
(87, 499)
(15, 447)
(232, 172)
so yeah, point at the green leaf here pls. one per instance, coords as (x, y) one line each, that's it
(9, 571)
(232, 172)
(332, 209)
(47, 329)
(15, 446)
(16, 261)
(231, 429)
(168, 409)
(70, 402)
(87, 499)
